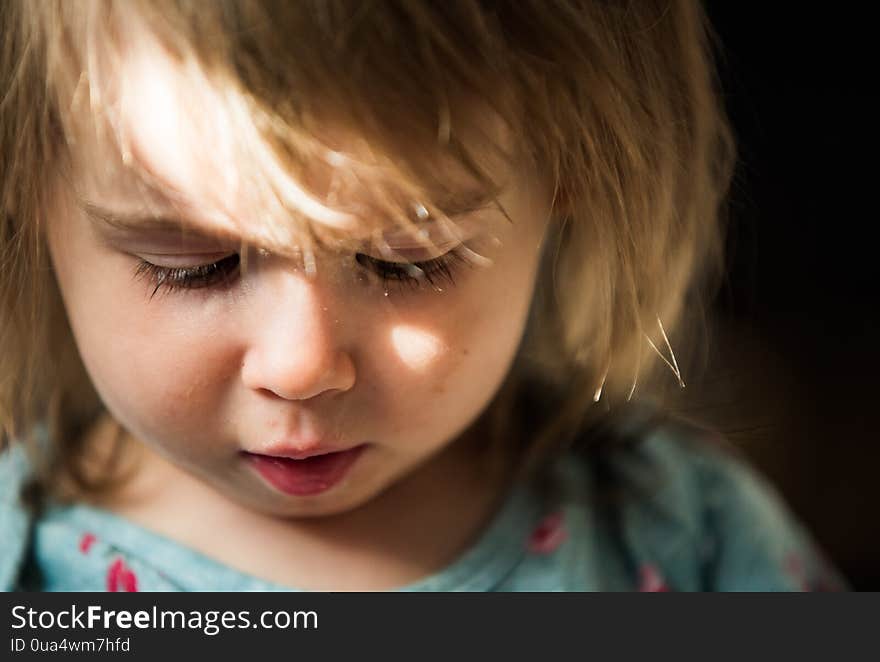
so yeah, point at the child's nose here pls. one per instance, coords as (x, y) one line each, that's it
(297, 349)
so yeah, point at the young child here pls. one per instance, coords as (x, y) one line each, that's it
(365, 296)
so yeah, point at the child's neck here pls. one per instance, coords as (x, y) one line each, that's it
(381, 545)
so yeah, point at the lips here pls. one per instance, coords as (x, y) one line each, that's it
(307, 475)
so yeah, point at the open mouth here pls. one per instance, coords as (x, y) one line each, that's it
(308, 476)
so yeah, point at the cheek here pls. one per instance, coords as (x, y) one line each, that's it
(460, 375)
(158, 369)
(445, 364)
(174, 380)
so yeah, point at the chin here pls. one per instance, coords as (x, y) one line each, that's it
(333, 502)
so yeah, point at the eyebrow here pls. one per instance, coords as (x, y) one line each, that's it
(147, 222)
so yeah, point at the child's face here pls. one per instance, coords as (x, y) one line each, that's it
(276, 362)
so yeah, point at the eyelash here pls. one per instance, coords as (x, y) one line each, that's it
(169, 279)
(220, 274)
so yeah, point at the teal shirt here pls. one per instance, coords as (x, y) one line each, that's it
(688, 517)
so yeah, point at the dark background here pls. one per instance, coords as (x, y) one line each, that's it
(793, 369)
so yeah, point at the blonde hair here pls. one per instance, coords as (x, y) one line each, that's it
(616, 101)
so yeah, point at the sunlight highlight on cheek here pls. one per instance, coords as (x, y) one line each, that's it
(416, 348)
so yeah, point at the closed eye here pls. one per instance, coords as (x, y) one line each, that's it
(430, 272)
(223, 272)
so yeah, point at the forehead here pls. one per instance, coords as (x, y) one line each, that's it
(172, 140)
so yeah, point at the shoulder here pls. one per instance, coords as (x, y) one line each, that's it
(689, 506)
(15, 520)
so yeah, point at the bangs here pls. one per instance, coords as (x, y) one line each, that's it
(325, 129)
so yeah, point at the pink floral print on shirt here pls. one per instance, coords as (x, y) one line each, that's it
(650, 579)
(548, 535)
(822, 580)
(86, 542)
(120, 578)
